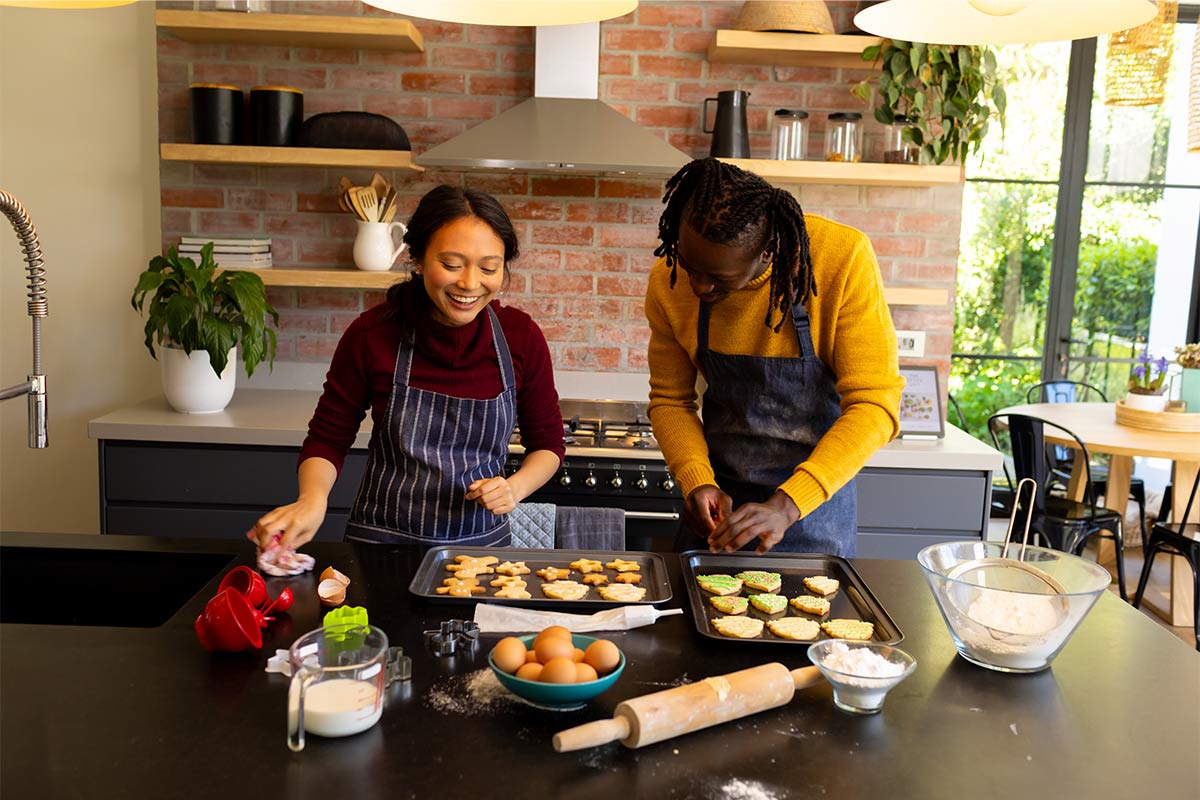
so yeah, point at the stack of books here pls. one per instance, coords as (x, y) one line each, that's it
(230, 252)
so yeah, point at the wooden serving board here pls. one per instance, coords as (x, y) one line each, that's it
(1174, 421)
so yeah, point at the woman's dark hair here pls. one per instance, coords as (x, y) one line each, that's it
(729, 206)
(441, 206)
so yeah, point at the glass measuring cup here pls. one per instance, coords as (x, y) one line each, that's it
(338, 677)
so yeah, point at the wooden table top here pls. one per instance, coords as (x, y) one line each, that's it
(1096, 424)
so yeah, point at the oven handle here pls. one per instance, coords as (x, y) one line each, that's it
(672, 515)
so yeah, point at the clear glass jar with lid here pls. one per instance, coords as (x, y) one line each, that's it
(789, 135)
(896, 150)
(843, 137)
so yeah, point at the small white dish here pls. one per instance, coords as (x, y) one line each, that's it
(860, 694)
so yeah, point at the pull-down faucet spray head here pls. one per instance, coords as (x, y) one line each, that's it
(35, 387)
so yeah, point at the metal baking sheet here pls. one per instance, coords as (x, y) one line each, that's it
(432, 572)
(852, 600)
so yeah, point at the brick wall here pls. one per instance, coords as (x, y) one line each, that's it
(587, 241)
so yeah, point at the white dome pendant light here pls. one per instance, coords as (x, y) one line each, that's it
(509, 12)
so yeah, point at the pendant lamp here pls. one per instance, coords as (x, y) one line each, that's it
(509, 12)
(1138, 60)
(993, 22)
(1194, 98)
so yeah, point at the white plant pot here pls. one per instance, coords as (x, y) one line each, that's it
(1146, 402)
(190, 384)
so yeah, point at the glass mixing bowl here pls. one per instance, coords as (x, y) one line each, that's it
(1003, 617)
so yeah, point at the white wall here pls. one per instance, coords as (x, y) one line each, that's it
(78, 148)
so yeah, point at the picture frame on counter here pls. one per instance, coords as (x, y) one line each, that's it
(921, 404)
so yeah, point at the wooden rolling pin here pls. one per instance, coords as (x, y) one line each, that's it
(673, 712)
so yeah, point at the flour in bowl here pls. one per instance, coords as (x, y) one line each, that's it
(860, 661)
(1013, 612)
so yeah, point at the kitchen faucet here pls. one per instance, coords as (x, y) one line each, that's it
(35, 387)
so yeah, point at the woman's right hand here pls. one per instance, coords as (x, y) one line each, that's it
(294, 524)
(705, 507)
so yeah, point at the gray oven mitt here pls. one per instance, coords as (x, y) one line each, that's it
(532, 525)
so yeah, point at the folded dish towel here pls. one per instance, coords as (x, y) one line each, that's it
(588, 528)
(532, 525)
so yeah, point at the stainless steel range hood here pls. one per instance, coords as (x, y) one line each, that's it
(563, 128)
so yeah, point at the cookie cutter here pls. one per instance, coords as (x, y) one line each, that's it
(399, 666)
(452, 634)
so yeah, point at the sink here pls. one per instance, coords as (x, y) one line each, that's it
(106, 588)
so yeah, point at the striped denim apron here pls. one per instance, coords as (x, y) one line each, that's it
(762, 417)
(431, 447)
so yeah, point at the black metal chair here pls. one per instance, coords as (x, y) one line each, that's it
(1060, 523)
(1183, 539)
(1079, 392)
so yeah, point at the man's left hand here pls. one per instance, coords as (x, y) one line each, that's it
(766, 522)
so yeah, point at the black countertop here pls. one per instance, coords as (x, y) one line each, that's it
(94, 712)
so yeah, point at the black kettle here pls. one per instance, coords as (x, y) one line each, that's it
(731, 135)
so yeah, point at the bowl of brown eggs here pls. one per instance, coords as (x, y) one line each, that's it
(555, 668)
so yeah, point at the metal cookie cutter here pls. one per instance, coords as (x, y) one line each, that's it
(452, 634)
(399, 666)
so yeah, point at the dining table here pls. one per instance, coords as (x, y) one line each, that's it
(1096, 426)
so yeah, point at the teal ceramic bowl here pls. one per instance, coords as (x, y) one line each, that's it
(557, 696)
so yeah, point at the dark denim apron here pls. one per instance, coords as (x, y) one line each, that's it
(431, 447)
(762, 417)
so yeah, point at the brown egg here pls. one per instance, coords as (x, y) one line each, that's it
(603, 656)
(509, 654)
(558, 670)
(585, 673)
(556, 630)
(530, 671)
(578, 656)
(531, 657)
(553, 647)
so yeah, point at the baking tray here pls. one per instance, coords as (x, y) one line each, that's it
(853, 599)
(432, 572)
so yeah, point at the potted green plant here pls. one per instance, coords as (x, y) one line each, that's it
(198, 318)
(1188, 357)
(948, 94)
(1147, 383)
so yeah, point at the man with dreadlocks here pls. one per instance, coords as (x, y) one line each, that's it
(786, 321)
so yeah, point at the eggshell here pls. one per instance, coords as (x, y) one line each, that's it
(558, 670)
(553, 647)
(330, 572)
(585, 673)
(331, 592)
(509, 654)
(530, 671)
(603, 656)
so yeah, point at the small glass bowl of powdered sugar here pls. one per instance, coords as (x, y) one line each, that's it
(861, 673)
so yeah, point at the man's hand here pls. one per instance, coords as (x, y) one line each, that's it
(765, 521)
(705, 507)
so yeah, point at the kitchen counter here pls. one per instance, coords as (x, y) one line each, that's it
(274, 417)
(94, 712)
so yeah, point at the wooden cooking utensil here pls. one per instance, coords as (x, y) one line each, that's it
(352, 196)
(673, 712)
(378, 184)
(368, 201)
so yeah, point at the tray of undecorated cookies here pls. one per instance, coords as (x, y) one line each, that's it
(586, 578)
(786, 599)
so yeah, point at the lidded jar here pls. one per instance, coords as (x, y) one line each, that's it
(789, 135)
(843, 137)
(895, 149)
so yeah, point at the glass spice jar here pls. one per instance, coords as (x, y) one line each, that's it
(789, 135)
(895, 149)
(843, 137)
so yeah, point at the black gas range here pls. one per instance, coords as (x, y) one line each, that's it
(612, 461)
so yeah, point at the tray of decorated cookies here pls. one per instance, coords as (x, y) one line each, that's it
(786, 599)
(588, 578)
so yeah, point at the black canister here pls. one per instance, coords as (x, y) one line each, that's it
(275, 115)
(216, 113)
(731, 135)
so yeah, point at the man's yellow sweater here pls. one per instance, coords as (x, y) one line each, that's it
(852, 333)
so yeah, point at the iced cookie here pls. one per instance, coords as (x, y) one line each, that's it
(460, 587)
(761, 581)
(564, 590)
(769, 603)
(586, 565)
(719, 584)
(848, 629)
(621, 565)
(794, 628)
(821, 584)
(513, 568)
(595, 579)
(730, 605)
(515, 590)
(469, 566)
(622, 593)
(628, 577)
(811, 605)
(738, 627)
(553, 573)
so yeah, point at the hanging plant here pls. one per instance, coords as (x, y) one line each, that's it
(949, 93)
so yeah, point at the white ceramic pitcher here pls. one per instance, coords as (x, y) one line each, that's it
(373, 247)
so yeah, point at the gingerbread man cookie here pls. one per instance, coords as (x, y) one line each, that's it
(507, 580)
(628, 577)
(553, 573)
(595, 579)
(460, 587)
(621, 565)
(470, 566)
(586, 565)
(515, 590)
(513, 568)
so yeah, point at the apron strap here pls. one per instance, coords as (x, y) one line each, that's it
(800, 321)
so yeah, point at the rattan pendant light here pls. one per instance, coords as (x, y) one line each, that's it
(1194, 98)
(1138, 60)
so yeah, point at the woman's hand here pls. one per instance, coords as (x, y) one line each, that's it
(494, 494)
(294, 524)
(767, 522)
(705, 507)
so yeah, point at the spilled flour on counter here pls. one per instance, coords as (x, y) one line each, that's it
(474, 694)
(739, 789)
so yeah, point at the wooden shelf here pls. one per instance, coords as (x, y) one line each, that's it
(859, 173)
(790, 49)
(289, 156)
(292, 30)
(348, 278)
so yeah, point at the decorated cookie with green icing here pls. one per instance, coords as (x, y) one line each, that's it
(719, 584)
(770, 603)
(730, 605)
(762, 581)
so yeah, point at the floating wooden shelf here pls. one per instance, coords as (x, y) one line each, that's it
(292, 30)
(348, 278)
(915, 296)
(289, 156)
(790, 49)
(856, 173)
